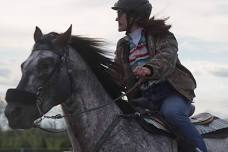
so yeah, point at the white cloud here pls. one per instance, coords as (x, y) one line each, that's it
(4, 73)
(220, 72)
(201, 19)
(9, 74)
(211, 92)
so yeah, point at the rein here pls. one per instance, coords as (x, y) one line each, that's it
(59, 116)
(39, 101)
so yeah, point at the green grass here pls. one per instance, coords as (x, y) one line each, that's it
(33, 138)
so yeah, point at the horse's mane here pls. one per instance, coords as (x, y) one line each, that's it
(96, 58)
(90, 50)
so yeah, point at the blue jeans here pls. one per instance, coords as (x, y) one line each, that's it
(175, 109)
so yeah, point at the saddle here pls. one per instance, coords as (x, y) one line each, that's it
(202, 118)
(206, 123)
(199, 119)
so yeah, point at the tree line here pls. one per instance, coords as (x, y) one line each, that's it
(33, 138)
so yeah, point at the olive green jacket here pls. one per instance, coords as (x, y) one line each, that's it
(164, 64)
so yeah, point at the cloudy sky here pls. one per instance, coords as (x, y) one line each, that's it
(199, 26)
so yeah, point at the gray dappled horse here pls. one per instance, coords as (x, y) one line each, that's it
(72, 71)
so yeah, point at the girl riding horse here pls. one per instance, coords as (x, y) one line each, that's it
(149, 51)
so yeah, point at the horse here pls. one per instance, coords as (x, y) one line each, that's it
(74, 71)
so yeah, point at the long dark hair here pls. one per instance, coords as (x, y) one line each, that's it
(156, 26)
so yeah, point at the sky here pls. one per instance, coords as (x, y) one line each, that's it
(199, 26)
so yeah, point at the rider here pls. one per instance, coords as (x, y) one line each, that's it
(148, 51)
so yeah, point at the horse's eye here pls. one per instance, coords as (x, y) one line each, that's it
(44, 66)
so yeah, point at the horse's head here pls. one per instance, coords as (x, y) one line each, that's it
(45, 80)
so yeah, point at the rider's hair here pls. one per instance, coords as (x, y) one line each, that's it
(156, 26)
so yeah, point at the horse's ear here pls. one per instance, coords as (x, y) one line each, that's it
(64, 38)
(37, 34)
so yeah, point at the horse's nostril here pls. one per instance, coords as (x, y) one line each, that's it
(12, 112)
(16, 111)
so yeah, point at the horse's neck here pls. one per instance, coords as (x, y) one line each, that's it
(88, 93)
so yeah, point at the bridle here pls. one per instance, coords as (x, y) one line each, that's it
(64, 58)
(39, 90)
(36, 98)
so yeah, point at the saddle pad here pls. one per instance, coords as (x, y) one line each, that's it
(202, 118)
(218, 128)
(205, 123)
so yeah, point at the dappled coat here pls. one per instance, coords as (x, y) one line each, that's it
(163, 62)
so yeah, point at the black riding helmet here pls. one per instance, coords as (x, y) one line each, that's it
(140, 8)
(136, 10)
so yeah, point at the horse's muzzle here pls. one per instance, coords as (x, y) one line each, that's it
(20, 96)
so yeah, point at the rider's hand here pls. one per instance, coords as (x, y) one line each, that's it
(142, 72)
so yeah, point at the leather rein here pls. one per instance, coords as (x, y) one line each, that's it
(39, 101)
